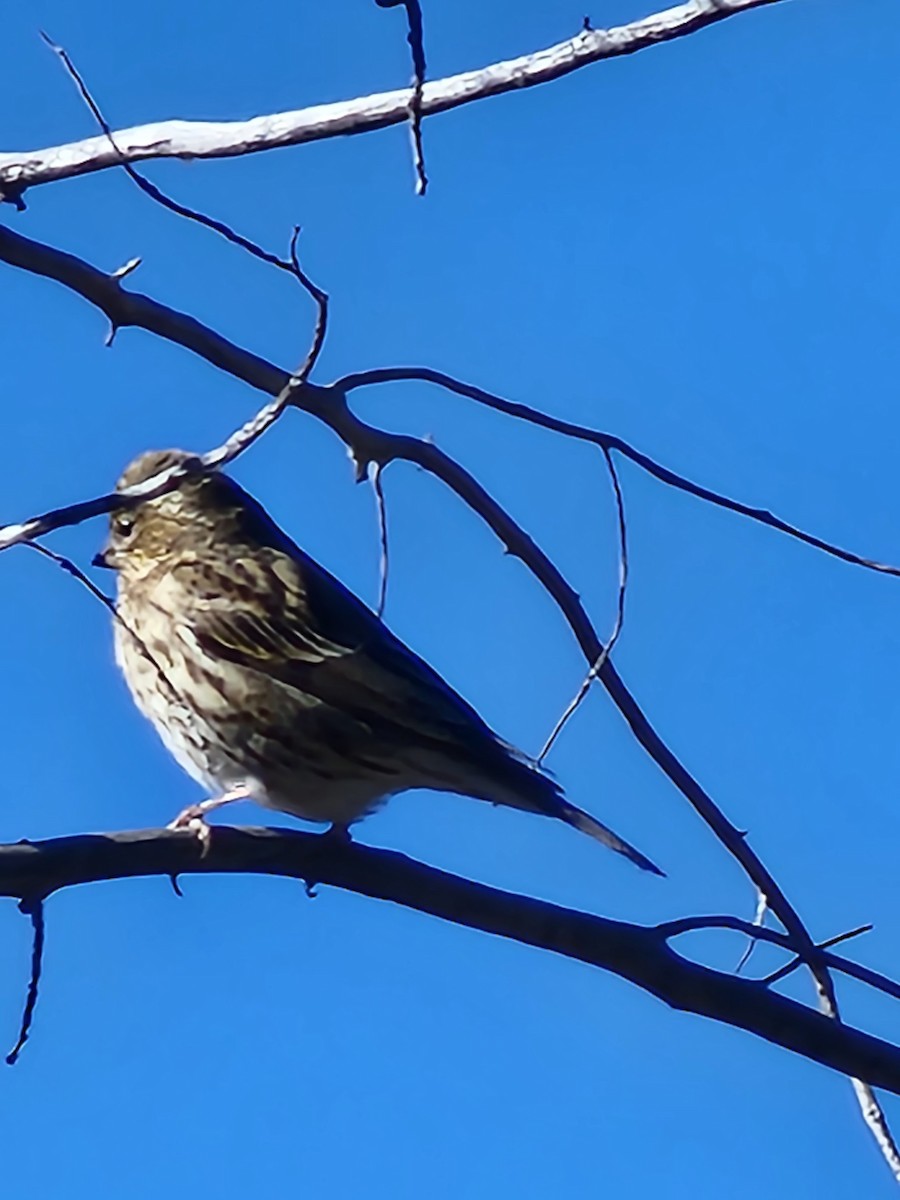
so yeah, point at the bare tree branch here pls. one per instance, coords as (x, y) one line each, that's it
(636, 953)
(607, 441)
(222, 139)
(369, 444)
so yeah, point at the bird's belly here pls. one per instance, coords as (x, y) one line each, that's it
(334, 803)
(224, 735)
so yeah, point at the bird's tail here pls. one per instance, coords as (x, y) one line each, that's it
(525, 785)
(584, 822)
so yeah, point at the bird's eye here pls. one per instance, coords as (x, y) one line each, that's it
(123, 524)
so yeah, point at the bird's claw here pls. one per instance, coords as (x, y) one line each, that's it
(192, 820)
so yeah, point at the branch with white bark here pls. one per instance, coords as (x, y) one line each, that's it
(226, 139)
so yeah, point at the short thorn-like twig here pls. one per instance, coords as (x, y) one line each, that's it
(35, 910)
(576, 701)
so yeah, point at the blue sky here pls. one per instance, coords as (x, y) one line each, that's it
(695, 248)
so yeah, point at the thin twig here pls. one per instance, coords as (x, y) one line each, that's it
(145, 184)
(759, 919)
(35, 910)
(874, 1117)
(321, 301)
(384, 561)
(416, 40)
(574, 704)
(789, 968)
(608, 441)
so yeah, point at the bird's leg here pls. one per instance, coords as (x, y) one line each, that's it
(338, 833)
(194, 816)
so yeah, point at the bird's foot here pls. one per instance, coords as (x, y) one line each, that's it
(193, 818)
(339, 834)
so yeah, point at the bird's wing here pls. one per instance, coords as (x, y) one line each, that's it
(276, 611)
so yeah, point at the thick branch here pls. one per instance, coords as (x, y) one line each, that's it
(639, 954)
(221, 139)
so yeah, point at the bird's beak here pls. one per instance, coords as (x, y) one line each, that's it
(103, 560)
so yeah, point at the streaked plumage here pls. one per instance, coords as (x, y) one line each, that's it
(277, 678)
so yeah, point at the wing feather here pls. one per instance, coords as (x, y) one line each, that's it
(281, 614)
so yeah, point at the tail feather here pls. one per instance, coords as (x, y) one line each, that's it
(526, 786)
(585, 823)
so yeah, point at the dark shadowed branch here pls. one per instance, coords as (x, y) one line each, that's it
(642, 955)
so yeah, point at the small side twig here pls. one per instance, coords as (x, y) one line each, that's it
(384, 561)
(575, 703)
(35, 910)
(759, 919)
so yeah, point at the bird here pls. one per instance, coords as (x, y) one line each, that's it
(267, 679)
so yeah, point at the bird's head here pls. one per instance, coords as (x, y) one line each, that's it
(200, 511)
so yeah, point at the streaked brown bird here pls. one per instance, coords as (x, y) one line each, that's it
(266, 678)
